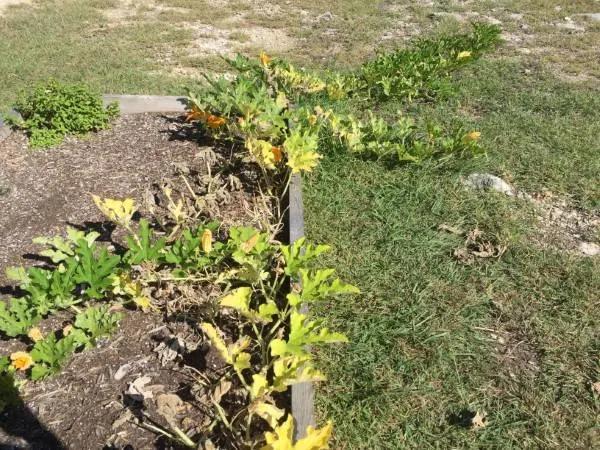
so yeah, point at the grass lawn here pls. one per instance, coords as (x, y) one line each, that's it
(433, 341)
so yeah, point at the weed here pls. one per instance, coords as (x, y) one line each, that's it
(51, 110)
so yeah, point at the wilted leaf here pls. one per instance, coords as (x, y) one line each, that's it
(222, 389)
(247, 246)
(207, 241)
(271, 413)
(119, 211)
(169, 406)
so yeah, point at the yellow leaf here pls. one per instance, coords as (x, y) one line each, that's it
(301, 151)
(232, 354)
(247, 246)
(292, 370)
(35, 334)
(21, 360)
(315, 439)
(242, 361)
(463, 55)
(282, 437)
(207, 241)
(239, 299)
(266, 311)
(472, 136)
(264, 152)
(143, 302)
(264, 58)
(260, 386)
(271, 413)
(67, 330)
(281, 100)
(218, 343)
(241, 344)
(119, 211)
(303, 161)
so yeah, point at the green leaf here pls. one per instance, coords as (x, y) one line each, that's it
(18, 317)
(50, 355)
(95, 271)
(302, 334)
(301, 151)
(239, 299)
(320, 284)
(146, 249)
(9, 391)
(95, 322)
(300, 255)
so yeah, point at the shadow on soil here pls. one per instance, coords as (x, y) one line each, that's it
(21, 424)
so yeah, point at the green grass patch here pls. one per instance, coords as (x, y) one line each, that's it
(433, 341)
(84, 49)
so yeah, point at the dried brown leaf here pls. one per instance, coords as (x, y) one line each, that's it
(222, 389)
(450, 229)
(169, 406)
(479, 420)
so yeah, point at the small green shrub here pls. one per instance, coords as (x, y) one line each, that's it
(52, 110)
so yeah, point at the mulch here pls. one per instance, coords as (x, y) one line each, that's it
(85, 406)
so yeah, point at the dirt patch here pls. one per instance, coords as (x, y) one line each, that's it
(106, 397)
(516, 354)
(49, 189)
(4, 4)
(211, 40)
(566, 228)
(145, 10)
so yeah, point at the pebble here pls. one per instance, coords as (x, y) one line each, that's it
(122, 371)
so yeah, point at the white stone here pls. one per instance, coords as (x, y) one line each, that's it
(489, 181)
(589, 248)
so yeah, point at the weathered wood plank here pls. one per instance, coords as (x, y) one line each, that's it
(302, 393)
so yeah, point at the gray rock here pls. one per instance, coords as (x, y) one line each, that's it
(489, 181)
(591, 16)
(589, 248)
(4, 130)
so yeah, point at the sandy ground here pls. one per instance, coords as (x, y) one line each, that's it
(4, 4)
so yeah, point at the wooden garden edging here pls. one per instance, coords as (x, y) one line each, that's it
(302, 393)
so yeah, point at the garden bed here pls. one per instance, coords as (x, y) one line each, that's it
(87, 405)
(238, 294)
